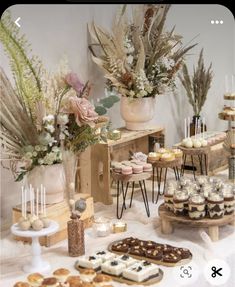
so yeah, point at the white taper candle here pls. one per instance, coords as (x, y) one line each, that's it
(41, 198)
(22, 201)
(188, 128)
(185, 128)
(25, 201)
(44, 200)
(37, 193)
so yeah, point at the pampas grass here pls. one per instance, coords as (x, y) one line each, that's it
(197, 85)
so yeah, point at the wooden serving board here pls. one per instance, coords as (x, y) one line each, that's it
(154, 280)
(158, 262)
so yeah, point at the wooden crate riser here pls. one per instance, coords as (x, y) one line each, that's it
(217, 160)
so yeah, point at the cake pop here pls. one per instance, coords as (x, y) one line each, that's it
(24, 225)
(37, 225)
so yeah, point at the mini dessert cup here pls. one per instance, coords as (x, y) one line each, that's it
(168, 195)
(229, 199)
(215, 204)
(196, 206)
(180, 202)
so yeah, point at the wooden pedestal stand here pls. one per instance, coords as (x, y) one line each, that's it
(169, 219)
(202, 155)
(126, 180)
(159, 166)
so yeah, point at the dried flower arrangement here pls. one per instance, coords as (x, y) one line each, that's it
(197, 85)
(45, 113)
(139, 58)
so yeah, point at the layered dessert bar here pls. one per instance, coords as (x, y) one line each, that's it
(91, 262)
(127, 260)
(215, 205)
(141, 271)
(105, 255)
(113, 267)
(196, 206)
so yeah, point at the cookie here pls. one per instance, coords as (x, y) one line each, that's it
(120, 247)
(155, 254)
(171, 257)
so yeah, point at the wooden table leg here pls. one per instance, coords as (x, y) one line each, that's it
(166, 226)
(213, 232)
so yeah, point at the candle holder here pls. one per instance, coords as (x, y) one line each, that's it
(119, 227)
(114, 135)
(101, 227)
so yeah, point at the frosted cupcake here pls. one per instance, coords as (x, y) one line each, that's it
(180, 202)
(215, 205)
(229, 200)
(196, 206)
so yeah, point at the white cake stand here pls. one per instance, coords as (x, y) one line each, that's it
(37, 264)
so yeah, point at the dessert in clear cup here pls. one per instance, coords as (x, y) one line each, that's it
(206, 188)
(168, 194)
(215, 204)
(180, 202)
(202, 179)
(196, 206)
(229, 199)
(184, 182)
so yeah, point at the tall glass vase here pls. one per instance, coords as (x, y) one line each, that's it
(70, 164)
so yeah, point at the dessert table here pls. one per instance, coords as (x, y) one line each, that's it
(15, 254)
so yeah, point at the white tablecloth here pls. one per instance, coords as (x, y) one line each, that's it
(14, 255)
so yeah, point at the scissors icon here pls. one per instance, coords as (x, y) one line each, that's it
(216, 271)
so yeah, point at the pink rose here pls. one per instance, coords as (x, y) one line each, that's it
(73, 81)
(83, 110)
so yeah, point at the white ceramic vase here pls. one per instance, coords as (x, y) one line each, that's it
(137, 113)
(53, 179)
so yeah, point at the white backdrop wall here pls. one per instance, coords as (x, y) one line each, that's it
(57, 30)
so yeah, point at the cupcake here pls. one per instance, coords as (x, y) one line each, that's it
(154, 156)
(35, 279)
(50, 282)
(73, 280)
(22, 284)
(180, 202)
(87, 275)
(196, 206)
(168, 157)
(61, 274)
(215, 205)
(102, 280)
(229, 199)
(177, 152)
(162, 150)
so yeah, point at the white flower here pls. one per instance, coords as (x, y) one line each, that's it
(62, 136)
(50, 128)
(40, 161)
(37, 147)
(48, 118)
(28, 155)
(35, 153)
(132, 93)
(62, 119)
(130, 59)
(55, 149)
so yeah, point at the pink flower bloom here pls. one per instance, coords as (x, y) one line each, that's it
(83, 110)
(73, 81)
